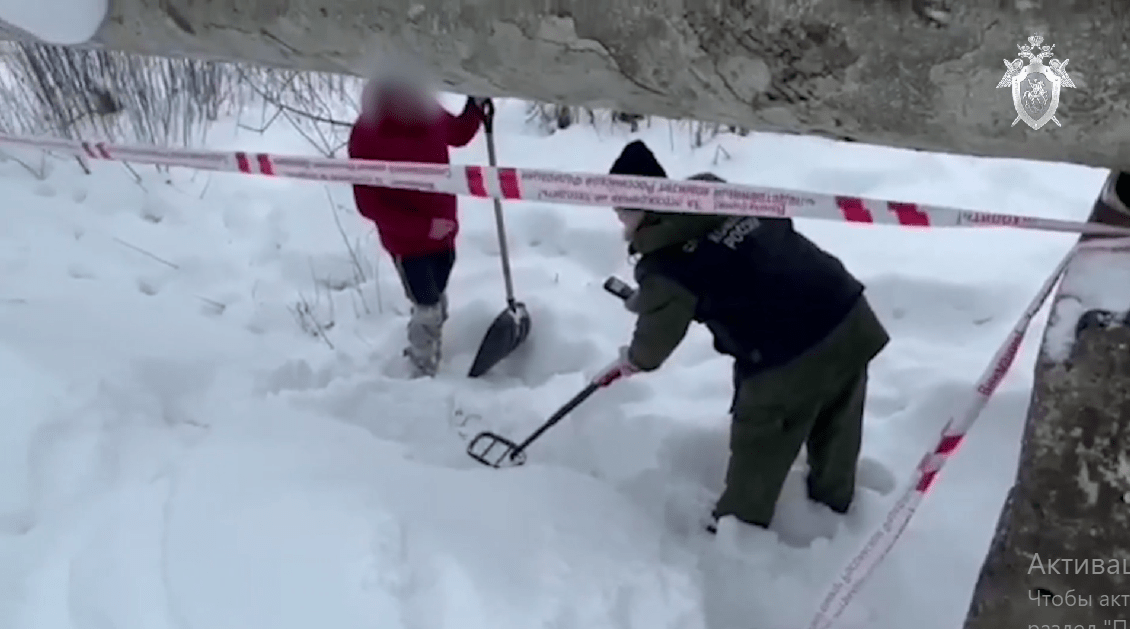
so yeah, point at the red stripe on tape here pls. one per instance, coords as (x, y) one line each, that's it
(242, 162)
(103, 151)
(927, 479)
(476, 185)
(949, 444)
(265, 165)
(854, 210)
(1000, 370)
(508, 181)
(909, 214)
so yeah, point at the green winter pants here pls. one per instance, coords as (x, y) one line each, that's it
(816, 401)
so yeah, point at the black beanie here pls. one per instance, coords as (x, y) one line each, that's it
(637, 159)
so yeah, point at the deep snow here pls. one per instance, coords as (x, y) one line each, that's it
(177, 452)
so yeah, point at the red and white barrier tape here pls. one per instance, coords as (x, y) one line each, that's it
(856, 572)
(699, 197)
(591, 189)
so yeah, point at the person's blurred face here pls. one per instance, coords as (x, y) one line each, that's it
(407, 104)
(630, 219)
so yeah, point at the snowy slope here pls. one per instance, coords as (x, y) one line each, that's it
(60, 22)
(177, 452)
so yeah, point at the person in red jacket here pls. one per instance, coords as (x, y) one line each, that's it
(402, 121)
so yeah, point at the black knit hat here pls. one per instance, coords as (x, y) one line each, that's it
(637, 159)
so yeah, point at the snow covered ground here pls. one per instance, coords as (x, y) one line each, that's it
(178, 452)
(41, 18)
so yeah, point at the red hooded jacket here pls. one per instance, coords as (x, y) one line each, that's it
(410, 222)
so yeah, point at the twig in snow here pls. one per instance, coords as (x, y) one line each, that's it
(284, 108)
(38, 174)
(377, 281)
(359, 272)
(136, 176)
(320, 146)
(306, 315)
(721, 150)
(144, 252)
(217, 307)
(266, 125)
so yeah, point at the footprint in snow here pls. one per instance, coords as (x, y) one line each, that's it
(148, 286)
(154, 210)
(873, 475)
(466, 422)
(80, 271)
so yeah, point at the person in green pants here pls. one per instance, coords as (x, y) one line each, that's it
(796, 322)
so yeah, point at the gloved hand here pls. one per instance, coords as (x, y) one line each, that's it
(620, 368)
(632, 303)
(486, 106)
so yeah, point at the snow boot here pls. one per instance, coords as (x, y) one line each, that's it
(425, 339)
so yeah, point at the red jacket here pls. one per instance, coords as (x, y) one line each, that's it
(410, 222)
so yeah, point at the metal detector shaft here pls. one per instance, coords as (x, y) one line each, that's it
(558, 416)
(623, 291)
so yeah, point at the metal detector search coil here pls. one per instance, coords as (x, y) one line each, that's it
(509, 454)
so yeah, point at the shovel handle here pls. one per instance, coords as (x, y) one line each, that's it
(500, 224)
(487, 110)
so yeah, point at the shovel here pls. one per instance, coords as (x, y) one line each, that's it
(496, 451)
(512, 326)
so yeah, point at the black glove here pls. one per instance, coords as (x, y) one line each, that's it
(485, 105)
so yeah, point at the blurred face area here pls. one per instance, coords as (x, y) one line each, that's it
(409, 104)
(630, 219)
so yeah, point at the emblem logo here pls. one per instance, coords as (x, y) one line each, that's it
(1035, 87)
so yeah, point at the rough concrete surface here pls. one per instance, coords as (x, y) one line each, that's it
(906, 73)
(1070, 505)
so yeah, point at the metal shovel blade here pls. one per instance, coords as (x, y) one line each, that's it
(506, 333)
(495, 450)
